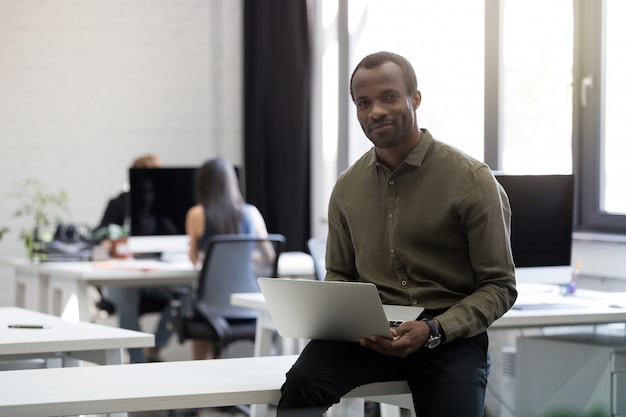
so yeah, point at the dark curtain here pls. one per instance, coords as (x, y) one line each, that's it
(276, 115)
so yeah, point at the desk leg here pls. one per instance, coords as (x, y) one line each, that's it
(31, 291)
(264, 334)
(56, 362)
(68, 298)
(347, 407)
(262, 347)
(114, 357)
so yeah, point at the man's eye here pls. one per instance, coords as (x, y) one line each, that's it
(391, 97)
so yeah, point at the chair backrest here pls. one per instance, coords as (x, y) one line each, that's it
(317, 248)
(232, 263)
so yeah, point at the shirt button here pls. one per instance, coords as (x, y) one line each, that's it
(404, 283)
(414, 302)
(390, 216)
(391, 182)
(393, 251)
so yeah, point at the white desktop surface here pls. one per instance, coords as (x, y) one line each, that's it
(84, 341)
(61, 288)
(110, 272)
(94, 390)
(585, 307)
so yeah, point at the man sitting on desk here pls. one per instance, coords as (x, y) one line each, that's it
(429, 226)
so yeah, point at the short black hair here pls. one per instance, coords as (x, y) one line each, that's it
(378, 58)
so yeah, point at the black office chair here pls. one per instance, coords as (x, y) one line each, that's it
(232, 264)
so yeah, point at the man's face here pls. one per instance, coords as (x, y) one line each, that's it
(384, 109)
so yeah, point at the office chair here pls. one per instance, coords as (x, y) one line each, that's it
(232, 264)
(317, 248)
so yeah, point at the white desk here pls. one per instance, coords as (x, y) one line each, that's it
(156, 386)
(543, 306)
(61, 288)
(60, 339)
(586, 307)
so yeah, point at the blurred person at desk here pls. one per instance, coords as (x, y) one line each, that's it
(429, 226)
(127, 302)
(117, 211)
(221, 209)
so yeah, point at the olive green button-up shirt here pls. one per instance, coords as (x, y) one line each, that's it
(434, 233)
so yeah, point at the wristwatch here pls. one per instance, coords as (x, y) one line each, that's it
(434, 338)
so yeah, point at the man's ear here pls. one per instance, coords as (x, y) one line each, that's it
(416, 99)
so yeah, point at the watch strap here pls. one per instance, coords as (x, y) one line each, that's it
(434, 331)
(434, 338)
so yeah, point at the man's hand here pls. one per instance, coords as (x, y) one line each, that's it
(408, 337)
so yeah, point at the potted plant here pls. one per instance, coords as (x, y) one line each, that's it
(41, 209)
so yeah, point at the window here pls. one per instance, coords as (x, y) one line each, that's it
(613, 197)
(541, 91)
(602, 97)
(447, 52)
(536, 80)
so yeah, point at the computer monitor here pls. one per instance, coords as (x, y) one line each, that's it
(159, 200)
(542, 217)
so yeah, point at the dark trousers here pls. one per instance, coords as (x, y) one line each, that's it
(448, 381)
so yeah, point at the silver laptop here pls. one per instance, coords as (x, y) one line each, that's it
(331, 310)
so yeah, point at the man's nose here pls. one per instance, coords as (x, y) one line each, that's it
(378, 111)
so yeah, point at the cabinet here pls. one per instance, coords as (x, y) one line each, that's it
(577, 374)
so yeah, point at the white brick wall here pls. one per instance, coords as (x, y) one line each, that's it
(88, 85)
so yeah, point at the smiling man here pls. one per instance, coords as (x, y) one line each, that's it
(429, 226)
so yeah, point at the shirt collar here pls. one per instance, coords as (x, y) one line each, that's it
(417, 155)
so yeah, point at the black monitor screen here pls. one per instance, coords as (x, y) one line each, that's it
(541, 218)
(159, 200)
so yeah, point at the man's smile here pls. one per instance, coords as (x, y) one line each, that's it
(380, 127)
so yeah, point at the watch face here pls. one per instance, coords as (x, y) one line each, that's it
(433, 342)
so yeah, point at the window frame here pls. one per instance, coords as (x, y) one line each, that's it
(589, 114)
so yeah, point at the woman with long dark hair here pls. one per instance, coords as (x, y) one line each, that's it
(221, 209)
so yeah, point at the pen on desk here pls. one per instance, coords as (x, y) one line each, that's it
(571, 287)
(27, 326)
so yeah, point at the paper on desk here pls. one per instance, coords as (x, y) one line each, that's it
(142, 265)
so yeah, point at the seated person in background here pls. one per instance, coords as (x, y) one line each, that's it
(221, 210)
(127, 301)
(118, 209)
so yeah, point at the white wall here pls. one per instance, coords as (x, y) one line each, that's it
(88, 85)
